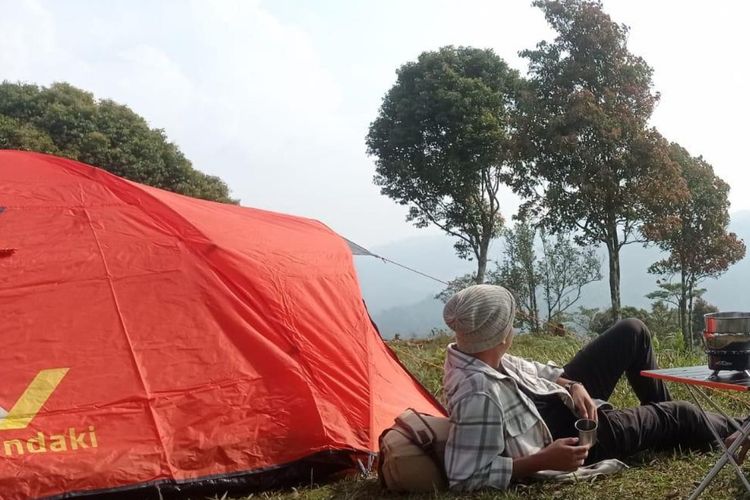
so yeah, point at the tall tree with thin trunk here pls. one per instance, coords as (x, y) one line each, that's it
(594, 166)
(564, 270)
(519, 270)
(695, 233)
(675, 294)
(444, 142)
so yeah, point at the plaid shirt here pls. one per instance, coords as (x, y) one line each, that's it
(492, 421)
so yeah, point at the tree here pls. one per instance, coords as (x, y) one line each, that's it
(444, 143)
(583, 318)
(66, 121)
(459, 283)
(606, 319)
(695, 233)
(593, 164)
(558, 273)
(519, 270)
(564, 270)
(663, 320)
(672, 293)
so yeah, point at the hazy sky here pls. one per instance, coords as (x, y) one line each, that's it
(276, 97)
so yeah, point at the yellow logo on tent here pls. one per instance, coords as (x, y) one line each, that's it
(32, 399)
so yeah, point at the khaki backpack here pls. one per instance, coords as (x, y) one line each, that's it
(411, 453)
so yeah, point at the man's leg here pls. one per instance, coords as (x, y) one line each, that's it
(623, 349)
(657, 426)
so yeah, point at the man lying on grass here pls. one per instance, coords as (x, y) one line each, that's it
(511, 418)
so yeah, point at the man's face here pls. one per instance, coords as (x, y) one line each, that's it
(509, 339)
(505, 346)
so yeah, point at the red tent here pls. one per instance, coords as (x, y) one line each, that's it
(155, 344)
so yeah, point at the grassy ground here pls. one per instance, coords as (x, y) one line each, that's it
(672, 475)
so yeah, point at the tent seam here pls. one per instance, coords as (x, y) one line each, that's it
(190, 244)
(130, 343)
(167, 222)
(373, 445)
(304, 365)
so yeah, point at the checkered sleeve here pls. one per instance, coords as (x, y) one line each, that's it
(548, 371)
(473, 457)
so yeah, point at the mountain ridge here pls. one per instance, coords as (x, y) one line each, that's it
(403, 302)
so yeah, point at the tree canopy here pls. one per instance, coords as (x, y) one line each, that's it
(695, 233)
(574, 141)
(66, 121)
(593, 163)
(444, 143)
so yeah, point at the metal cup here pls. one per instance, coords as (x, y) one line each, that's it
(586, 431)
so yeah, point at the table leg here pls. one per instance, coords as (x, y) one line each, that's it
(728, 455)
(717, 408)
(731, 458)
(719, 464)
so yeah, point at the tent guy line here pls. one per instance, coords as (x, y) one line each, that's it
(360, 250)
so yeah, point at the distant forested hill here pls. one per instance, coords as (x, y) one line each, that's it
(402, 302)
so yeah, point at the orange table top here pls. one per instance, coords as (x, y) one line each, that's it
(703, 376)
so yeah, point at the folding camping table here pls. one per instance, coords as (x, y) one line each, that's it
(695, 378)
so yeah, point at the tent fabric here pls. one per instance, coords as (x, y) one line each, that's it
(156, 340)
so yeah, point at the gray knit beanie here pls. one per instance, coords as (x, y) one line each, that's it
(481, 315)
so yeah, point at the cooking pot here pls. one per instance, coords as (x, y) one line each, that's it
(727, 337)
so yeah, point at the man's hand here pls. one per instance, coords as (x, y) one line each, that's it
(564, 455)
(583, 402)
(739, 456)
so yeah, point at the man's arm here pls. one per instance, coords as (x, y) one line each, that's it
(473, 453)
(564, 381)
(548, 371)
(581, 399)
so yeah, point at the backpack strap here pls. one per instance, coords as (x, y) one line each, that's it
(418, 431)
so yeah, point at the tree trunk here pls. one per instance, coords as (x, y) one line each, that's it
(613, 248)
(531, 297)
(689, 312)
(532, 288)
(484, 246)
(534, 308)
(684, 320)
(549, 300)
(549, 303)
(681, 316)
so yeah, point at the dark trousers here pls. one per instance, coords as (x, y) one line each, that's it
(658, 424)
